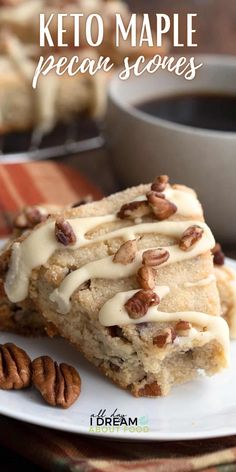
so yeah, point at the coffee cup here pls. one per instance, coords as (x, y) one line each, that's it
(142, 145)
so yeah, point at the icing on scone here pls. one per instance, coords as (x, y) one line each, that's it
(191, 238)
(201, 283)
(106, 269)
(25, 258)
(113, 313)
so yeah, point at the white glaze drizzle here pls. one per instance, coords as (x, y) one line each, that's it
(40, 245)
(114, 313)
(21, 13)
(17, 54)
(201, 283)
(107, 269)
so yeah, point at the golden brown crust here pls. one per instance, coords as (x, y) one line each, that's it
(130, 357)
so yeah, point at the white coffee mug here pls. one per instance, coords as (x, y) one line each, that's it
(143, 146)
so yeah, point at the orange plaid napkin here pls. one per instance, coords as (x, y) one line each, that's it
(63, 452)
(39, 183)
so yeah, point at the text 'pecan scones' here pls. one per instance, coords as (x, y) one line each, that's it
(129, 280)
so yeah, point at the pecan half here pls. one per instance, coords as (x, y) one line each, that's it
(64, 232)
(183, 327)
(149, 390)
(219, 257)
(59, 385)
(146, 278)
(15, 370)
(127, 252)
(190, 237)
(161, 207)
(138, 305)
(166, 336)
(134, 210)
(160, 183)
(155, 257)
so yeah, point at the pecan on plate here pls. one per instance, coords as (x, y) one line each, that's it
(59, 385)
(136, 209)
(155, 257)
(161, 207)
(146, 278)
(218, 255)
(190, 237)
(164, 337)
(137, 306)
(126, 253)
(64, 232)
(160, 183)
(15, 372)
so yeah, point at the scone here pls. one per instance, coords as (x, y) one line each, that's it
(129, 281)
(226, 283)
(26, 319)
(57, 98)
(22, 18)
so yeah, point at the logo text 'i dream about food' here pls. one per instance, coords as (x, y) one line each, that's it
(105, 422)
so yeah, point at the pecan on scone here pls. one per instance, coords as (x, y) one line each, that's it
(135, 292)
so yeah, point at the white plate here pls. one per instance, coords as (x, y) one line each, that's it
(204, 408)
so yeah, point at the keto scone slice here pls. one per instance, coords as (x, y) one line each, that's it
(26, 319)
(129, 280)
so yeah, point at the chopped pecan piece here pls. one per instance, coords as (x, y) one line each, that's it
(59, 385)
(190, 237)
(127, 252)
(150, 390)
(15, 370)
(183, 327)
(115, 332)
(138, 305)
(219, 257)
(82, 201)
(34, 216)
(29, 217)
(166, 336)
(160, 183)
(114, 367)
(136, 209)
(161, 207)
(64, 232)
(155, 257)
(146, 278)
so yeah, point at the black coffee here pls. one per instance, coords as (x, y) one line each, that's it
(205, 110)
